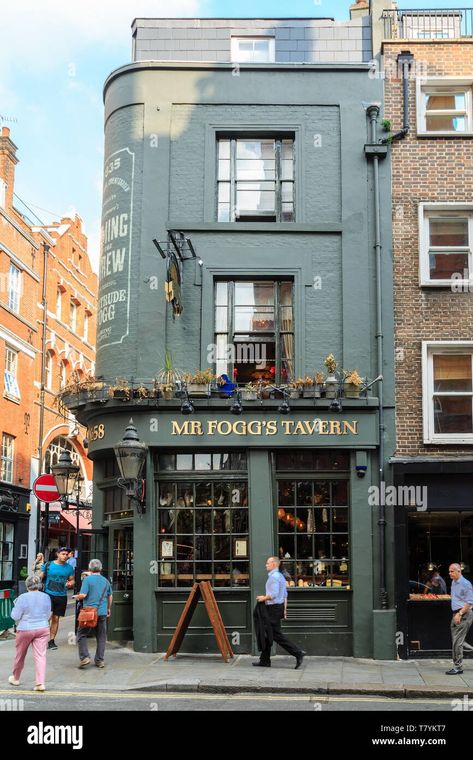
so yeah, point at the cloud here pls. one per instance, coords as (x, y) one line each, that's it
(38, 34)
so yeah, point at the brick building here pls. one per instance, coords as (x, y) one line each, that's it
(69, 347)
(432, 189)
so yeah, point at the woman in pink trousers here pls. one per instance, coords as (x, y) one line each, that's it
(31, 614)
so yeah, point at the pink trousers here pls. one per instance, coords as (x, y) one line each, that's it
(39, 643)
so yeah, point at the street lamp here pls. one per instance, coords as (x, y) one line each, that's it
(131, 455)
(65, 474)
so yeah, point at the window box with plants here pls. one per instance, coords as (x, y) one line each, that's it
(250, 392)
(352, 384)
(120, 390)
(198, 384)
(293, 389)
(167, 378)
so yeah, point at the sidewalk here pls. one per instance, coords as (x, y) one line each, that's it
(128, 670)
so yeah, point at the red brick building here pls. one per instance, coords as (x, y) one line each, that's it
(71, 290)
(432, 185)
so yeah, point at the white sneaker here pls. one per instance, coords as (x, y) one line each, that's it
(13, 681)
(40, 687)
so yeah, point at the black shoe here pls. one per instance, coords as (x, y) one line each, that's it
(299, 659)
(261, 664)
(52, 644)
(454, 672)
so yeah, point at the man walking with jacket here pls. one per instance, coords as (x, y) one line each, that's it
(275, 600)
(462, 602)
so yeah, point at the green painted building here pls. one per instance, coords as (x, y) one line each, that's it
(246, 228)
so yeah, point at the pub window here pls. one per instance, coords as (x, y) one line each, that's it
(448, 393)
(255, 181)
(436, 540)
(254, 330)
(6, 461)
(7, 532)
(122, 567)
(203, 523)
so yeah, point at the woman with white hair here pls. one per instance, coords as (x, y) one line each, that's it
(31, 613)
(95, 591)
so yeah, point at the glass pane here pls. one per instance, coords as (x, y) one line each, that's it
(222, 547)
(167, 462)
(240, 574)
(184, 462)
(340, 492)
(222, 574)
(321, 518)
(203, 461)
(221, 293)
(223, 212)
(287, 169)
(203, 521)
(224, 170)
(287, 192)
(286, 520)
(260, 169)
(322, 547)
(203, 547)
(223, 349)
(446, 101)
(304, 547)
(321, 492)
(287, 149)
(255, 149)
(203, 571)
(224, 192)
(240, 521)
(248, 200)
(249, 319)
(167, 573)
(259, 293)
(448, 232)
(203, 495)
(238, 494)
(167, 519)
(287, 212)
(287, 546)
(221, 494)
(185, 573)
(304, 492)
(285, 293)
(222, 521)
(286, 493)
(166, 495)
(185, 522)
(452, 372)
(339, 546)
(221, 319)
(224, 148)
(184, 547)
(185, 496)
(452, 414)
(220, 461)
(445, 123)
(238, 460)
(443, 265)
(339, 520)
(304, 574)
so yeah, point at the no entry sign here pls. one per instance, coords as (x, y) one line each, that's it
(45, 489)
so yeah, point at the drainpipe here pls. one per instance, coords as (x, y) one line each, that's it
(44, 304)
(404, 60)
(377, 152)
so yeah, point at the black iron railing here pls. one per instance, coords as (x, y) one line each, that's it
(444, 23)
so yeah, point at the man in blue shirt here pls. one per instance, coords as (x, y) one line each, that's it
(57, 577)
(462, 603)
(96, 591)
(275, 600)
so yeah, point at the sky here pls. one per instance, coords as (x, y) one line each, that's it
(54, 58)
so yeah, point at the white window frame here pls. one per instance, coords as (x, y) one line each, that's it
(7, 456)
(236, 53)
(11, 387)
(429, 348)
(48, 370)
(73, 309)
(85, 334)
(59, 304)
(14, 288)
(429, 211)
(443, 84)
(62, 375)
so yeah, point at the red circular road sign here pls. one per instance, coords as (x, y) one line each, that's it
(45, 488)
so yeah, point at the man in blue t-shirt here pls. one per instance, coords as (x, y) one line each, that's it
(95, 591)
(57, 577)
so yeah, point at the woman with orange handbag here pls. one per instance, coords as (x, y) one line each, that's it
(96, 592)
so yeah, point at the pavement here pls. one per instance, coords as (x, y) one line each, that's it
(127, 670)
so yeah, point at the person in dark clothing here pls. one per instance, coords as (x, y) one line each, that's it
(275, 600)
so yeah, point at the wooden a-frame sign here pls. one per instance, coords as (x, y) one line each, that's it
(204, 590)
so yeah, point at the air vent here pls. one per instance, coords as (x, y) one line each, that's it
(318, 614)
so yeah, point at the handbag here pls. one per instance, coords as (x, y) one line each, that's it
(89, 616)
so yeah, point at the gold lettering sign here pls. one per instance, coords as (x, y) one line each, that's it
(265, 427)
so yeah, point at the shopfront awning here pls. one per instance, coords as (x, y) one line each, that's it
(85, 518)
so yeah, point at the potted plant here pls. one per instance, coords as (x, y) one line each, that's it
(121, 390)
(198, 384)
(250, 392)
(352, 384)
(331, 381)
(294, 389)
(167, 378)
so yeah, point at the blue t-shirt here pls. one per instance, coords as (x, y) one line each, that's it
(56, 578)
(93, 586)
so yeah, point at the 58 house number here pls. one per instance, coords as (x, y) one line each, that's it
(96, 433)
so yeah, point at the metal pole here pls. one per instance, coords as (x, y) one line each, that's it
(44, 303)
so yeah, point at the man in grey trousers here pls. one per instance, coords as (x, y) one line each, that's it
(462, 603)
(95, 591)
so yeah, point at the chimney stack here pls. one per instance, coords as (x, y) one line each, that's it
(8, 161)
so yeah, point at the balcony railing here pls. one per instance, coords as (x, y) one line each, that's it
(441, 24)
